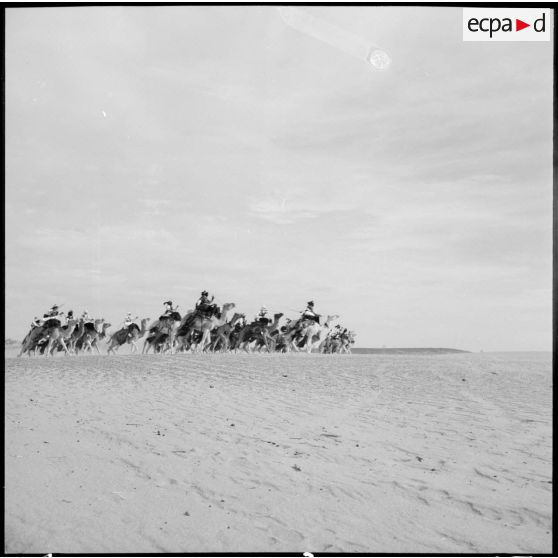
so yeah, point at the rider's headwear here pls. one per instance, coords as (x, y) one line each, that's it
(55, 307)
(311, 303)
(263, 309)
(169, 302)
(205, 293)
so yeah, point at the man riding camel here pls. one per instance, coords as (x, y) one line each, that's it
(128, 321)
(204, 305)
(204, 309)
(261, 317)
(37, 322)
(309, 314)
(53, 314)
(169, 309)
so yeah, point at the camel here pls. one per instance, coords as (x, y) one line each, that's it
(93, 332)
(59, 336)
(204, 325)
(256, 331)
(221, 335)
(38, 336)
(340, 343)
(347, 341)
(285, 337)
(73, 339)
(163, 334)
(291, 337)
(128, 335)
(76, 335)
(314, 334)
(271, 335)
(31, 340)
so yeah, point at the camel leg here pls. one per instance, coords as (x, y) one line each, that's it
(49, 348)
(203, 341)
(61, 341)
(134, 346)
(309, 342)
(266, 342)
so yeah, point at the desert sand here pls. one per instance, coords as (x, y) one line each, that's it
(279, 453)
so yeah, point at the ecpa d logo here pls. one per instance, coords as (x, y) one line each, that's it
(506, 24)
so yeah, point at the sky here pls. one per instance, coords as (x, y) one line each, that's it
(154, 152)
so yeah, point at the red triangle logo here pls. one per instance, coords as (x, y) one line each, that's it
(519, 25)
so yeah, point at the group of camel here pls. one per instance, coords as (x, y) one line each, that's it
(192, 332)
(75, 336)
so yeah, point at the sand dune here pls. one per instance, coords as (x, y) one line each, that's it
(279, 453)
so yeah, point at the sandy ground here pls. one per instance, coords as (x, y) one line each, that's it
(279, 453)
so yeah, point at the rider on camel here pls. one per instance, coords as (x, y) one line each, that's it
(169, 309)
(240, 323)
(128, 321)
(261, 317)
(53, 314)
(336, 333)
(204, 304)
(309, 314)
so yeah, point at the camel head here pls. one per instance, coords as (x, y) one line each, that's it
(331, 318)
(236, 317)
(228, 306)
(106, 326)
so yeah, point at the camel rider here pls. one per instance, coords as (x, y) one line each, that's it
(53, 314)
(240, 323)
(128, 321)
(287, 326)
(336, 333)
(261, 317)
(204, 303)
(86, 317)
(309, 314)
(37, 322)
(169, 309)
